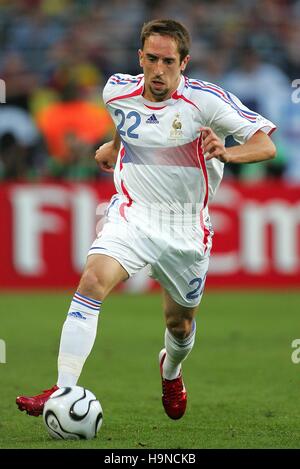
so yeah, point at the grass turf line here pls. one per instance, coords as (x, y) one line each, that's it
(243, 387)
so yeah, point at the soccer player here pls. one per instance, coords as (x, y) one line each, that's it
(169, 156)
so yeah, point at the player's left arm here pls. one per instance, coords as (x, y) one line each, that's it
(259, 147)
(107, 154)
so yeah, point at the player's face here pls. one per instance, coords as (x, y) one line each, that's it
(162, 67)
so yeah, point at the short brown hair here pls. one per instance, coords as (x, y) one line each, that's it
(170, 28)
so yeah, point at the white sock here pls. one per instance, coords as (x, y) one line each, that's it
(177, 351)
(77, 338)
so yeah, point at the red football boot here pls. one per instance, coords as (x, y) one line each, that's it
(174, 396)
(34, 405)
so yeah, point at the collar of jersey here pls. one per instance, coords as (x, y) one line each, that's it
(172, 100)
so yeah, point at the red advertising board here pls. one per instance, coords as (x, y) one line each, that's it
(47, 228)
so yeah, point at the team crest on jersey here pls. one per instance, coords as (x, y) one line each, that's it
(176, 131)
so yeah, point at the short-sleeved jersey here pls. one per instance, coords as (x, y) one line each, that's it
(161, 159)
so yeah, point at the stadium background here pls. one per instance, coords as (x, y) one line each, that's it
(55, 58)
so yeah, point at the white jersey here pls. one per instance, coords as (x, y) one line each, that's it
(161, 160)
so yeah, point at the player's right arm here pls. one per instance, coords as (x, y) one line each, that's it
(107, 154)
(117, 85)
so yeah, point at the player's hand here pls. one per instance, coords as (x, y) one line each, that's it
(106, 157)
(212, 146)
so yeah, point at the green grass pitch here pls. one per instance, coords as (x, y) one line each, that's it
(244, 390)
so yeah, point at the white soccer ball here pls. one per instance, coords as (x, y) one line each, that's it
(73, 413)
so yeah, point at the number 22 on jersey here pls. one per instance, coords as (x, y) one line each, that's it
(133, 119)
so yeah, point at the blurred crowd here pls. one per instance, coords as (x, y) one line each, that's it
(56, 56)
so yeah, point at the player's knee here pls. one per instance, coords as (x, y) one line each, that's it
(91, 285)
(179, 328)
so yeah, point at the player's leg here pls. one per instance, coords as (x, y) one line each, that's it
(179, 335)
(179, 341)
(101, 274)
(181, 271)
